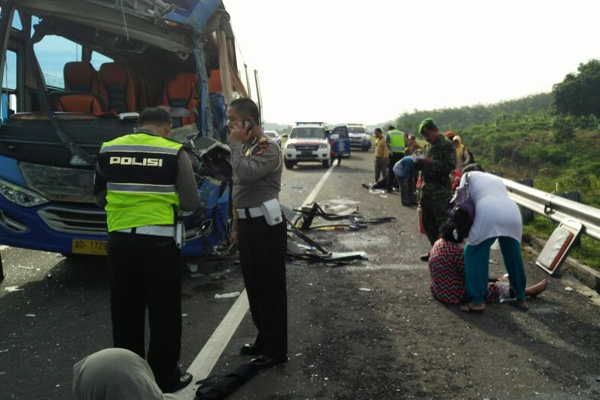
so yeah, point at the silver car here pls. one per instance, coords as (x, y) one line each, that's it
(275, 136)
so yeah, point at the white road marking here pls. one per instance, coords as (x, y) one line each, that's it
(212, 350)
(313, 194)
(206, 360)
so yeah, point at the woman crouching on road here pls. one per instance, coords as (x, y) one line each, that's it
(447, 269)
(496, 217)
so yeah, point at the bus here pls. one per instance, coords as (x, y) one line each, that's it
(76, 73)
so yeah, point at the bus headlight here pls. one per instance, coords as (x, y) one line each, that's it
(20, 196)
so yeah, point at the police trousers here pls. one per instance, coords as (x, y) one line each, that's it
(391, 177)
(262, 251)
(144, 273)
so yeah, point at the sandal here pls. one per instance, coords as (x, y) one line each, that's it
(469, 309)
(522, 306)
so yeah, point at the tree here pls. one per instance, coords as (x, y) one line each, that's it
(579, 93)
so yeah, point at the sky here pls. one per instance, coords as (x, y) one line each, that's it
(369, 61)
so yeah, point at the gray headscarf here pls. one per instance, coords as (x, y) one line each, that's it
(115, 374)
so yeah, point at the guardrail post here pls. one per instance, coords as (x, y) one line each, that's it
(526, 213)
(573, 196)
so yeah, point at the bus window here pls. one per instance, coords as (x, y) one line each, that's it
(16, 22)
(98, 59)
(53, 52)
(10, 71)
(9, 85)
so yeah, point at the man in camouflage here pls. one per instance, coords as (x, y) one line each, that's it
(439, 160)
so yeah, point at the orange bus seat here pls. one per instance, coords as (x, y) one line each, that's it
(79, 103)
(214, 81)
(119, 87)
(180, 94)
(82, 77)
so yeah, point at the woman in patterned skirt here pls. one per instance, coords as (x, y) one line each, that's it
(447, 269)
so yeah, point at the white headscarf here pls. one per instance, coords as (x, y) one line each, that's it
(115, 374)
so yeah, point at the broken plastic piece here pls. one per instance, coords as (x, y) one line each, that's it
(227, 295)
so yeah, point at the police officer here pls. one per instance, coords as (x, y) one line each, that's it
(439, 161)
(143, 180)
(260, 230)
(396, 141)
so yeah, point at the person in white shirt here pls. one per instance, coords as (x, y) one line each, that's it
(497, 217)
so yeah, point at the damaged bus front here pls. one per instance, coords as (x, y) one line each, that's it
(75, 73)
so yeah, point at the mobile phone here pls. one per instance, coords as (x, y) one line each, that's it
(248, 125)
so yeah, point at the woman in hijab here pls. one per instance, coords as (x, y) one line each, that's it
(116, 374)
(463, 156)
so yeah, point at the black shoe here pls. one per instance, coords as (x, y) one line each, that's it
(263, 362)
(251, 349)
(184, 380)
(425, 257)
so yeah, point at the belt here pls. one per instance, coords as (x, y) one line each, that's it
(153, 230)
(253, 212)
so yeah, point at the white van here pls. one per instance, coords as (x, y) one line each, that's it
(307, 143)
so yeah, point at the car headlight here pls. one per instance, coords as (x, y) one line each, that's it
(290, 146)
(323, 145)
(20, 196)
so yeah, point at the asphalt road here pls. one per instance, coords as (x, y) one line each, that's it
(367, 330)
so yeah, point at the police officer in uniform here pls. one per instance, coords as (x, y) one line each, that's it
(143, 180)
(439, 161)
(260, 230)
(396, 141)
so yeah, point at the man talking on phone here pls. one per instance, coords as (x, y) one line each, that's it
(260, 229)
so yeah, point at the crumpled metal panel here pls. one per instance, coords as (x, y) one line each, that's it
(59, 184)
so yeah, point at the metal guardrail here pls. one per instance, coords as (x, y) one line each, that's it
(555, 207)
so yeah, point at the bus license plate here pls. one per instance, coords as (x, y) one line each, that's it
(94, 247)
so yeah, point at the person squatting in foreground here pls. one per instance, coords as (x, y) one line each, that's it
(260, 229)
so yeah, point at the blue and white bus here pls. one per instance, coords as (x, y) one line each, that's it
(75, 73)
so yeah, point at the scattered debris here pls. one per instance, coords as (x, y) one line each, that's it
(569, 289)
(30, 315)
(354, 220)
(4, 351)
(192, 268)
(24, 267)
(364, 289)
(13, 289)
(227, 295)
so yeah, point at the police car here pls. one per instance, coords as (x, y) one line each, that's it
(359, 136)
(307, 142)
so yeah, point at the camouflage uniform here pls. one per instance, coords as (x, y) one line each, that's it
(436, 189)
